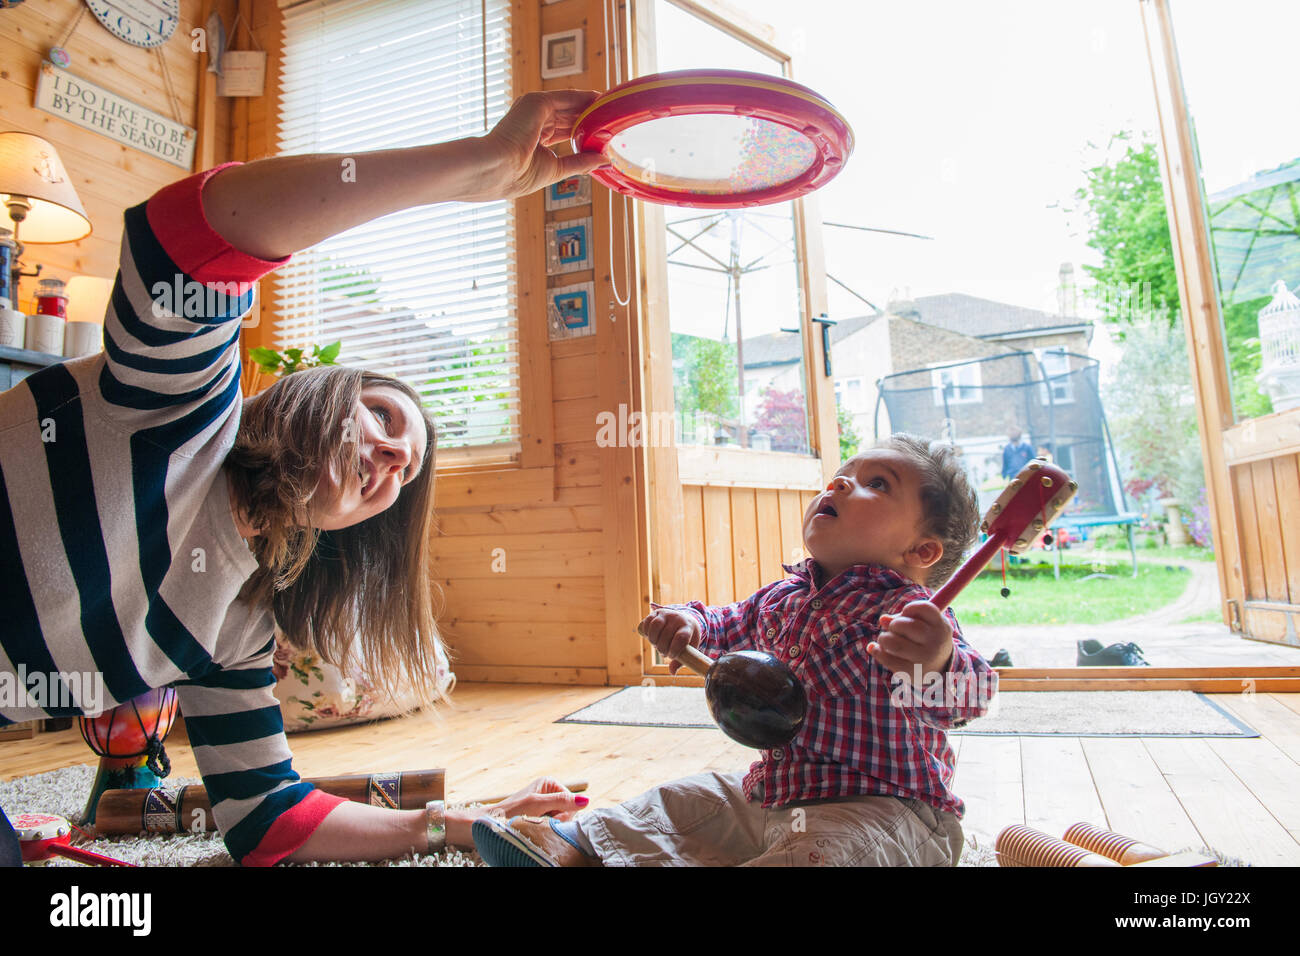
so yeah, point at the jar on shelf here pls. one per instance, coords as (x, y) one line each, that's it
(52, 298)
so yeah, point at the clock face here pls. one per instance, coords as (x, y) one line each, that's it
(140, 22)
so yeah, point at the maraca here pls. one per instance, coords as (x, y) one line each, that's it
(754, 697)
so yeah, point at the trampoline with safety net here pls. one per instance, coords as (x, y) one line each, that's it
(1051, 397)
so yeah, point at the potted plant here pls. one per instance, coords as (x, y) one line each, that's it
(266, 365)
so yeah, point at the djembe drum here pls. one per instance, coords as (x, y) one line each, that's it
(129, 741)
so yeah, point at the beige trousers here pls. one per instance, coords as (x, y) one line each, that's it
(705, 820)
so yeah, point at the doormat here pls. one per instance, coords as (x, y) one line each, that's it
(1107, 713)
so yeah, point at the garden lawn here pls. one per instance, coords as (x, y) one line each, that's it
(1038, 598)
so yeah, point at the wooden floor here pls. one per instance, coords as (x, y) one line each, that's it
(1235, 795)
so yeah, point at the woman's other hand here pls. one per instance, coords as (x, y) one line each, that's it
(522, 142)
(545, 796)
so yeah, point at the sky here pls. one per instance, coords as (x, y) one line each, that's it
(974, 123)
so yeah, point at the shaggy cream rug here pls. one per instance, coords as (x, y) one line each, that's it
(64, 792)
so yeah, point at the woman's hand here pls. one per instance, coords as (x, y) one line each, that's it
(545, 796)
(522, 143)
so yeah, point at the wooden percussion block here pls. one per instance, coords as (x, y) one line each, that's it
(1122, 849)
(1024, 846)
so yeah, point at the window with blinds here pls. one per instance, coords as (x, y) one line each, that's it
(427, 294)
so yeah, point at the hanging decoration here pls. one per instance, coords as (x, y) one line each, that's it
(243, 72)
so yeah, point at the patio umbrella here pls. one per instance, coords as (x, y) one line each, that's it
(1255, 226)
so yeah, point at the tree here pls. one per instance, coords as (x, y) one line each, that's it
(783, 416)
(1150, 402)
(1128, 226)
(704, 380)
(850, 440)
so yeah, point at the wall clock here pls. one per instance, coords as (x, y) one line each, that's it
(144, 23)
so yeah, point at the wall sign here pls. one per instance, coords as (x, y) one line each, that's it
(92, 107)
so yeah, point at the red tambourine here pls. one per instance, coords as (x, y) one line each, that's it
(45, 835)
(714, 138)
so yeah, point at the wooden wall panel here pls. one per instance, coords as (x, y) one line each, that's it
(1252, 562)
(1270, 537)
(768, 517)
(744, 542)
(718, 546)
(791, 508)
(1286, 478)
(736, 539)
(695, 576)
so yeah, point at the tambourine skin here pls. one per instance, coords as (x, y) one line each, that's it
(695, 92)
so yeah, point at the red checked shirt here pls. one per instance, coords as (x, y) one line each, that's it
(865, 732)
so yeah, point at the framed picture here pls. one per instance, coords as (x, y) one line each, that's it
(574, 191)
(562, 54)
(569, 312)
(568, 246)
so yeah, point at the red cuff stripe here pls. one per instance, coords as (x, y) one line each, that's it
(176, 216)
(292, 828)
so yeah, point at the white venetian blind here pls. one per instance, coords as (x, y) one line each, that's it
(426, 294)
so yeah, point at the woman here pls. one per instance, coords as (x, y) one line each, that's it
(147, 532)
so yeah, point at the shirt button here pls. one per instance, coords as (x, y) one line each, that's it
(778, 754)
(771, 632)
(795, 650)
(817, 604)
(835, 638)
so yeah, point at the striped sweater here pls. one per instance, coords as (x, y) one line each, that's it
(120, 562)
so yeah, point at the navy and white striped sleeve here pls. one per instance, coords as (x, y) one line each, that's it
(263, 809)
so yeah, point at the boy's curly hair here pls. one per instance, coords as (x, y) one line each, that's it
(949, 507)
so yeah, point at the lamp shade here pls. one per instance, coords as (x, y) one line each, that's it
(30, 168)
(88, 298)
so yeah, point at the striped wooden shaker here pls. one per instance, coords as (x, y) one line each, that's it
(1116, 846)
(1023, 846)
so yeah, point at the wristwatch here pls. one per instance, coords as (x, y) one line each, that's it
(435, 826)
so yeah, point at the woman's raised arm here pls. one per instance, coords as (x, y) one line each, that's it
(271, 208)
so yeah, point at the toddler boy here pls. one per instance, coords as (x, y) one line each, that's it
(867, 779)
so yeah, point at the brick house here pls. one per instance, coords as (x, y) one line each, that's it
(913, 334)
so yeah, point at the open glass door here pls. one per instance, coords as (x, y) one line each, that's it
(731, 355)
(1232, 165)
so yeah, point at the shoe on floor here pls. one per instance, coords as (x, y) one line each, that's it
(1092, 654)
(525, 841)
(1001, 659)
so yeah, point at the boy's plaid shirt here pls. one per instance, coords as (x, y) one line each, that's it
(856, 739)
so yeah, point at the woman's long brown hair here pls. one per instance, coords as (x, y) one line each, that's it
(365, 590)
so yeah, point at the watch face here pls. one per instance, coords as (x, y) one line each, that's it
(140, 22)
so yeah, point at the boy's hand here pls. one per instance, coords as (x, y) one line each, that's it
(670, 631)
(918, 634)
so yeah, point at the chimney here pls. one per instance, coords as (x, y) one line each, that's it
(902, 304)
(1065, 293)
